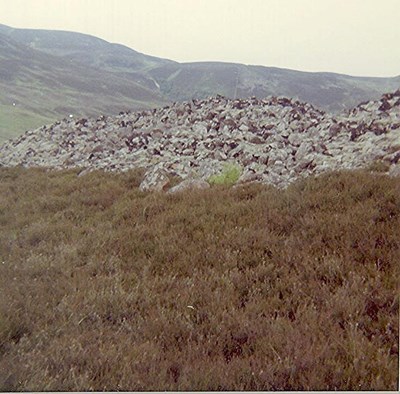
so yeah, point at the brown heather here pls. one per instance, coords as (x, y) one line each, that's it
(104, 287)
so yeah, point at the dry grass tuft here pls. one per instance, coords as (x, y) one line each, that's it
(104, 287)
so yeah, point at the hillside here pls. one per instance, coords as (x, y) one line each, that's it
(44, 88)
(84, 49)
(106, 288)
(328, 91)
(55, 73)
(184, 81)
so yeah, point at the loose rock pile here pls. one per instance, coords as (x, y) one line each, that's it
(275, 140)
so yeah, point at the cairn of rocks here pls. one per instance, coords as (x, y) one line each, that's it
(274, 140)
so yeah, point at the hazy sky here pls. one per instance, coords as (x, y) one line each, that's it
(356, 37)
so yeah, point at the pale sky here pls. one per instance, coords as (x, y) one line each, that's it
(356, 37)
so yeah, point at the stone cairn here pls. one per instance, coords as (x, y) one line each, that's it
(274, 141)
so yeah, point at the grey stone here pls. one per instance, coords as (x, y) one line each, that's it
(189, 184)
(155, 179)
(295, 139)
(304, 148)
(394, 170)
(249, 177)
(277, 137)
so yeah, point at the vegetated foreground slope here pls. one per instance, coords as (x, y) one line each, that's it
(104, 287)
(274, 141)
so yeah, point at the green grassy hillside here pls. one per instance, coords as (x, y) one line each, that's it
(46, 87)
(104, 287)
(54, 73)
(14, 120)
(84, 49)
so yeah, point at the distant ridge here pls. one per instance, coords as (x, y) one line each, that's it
(48, 74)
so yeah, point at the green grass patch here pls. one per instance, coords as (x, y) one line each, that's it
(14, 121)
(228, 176)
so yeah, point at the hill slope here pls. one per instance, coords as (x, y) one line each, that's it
(105, 288)
(328, 91)
(64, 72)
(84, 49)
(45, 87)
(183, 81)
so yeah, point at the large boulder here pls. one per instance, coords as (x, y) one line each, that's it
(395, 170)
(295, 139)
(155, 180)
(189, 184)
(249, 177)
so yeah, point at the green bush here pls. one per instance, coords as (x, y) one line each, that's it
(229, 175)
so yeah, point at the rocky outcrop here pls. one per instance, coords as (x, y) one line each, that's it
(189, 184)
(155, 180)
(275, 140)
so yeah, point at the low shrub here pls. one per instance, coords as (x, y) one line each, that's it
(229, 175)
(106, 288)
(379, 166)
